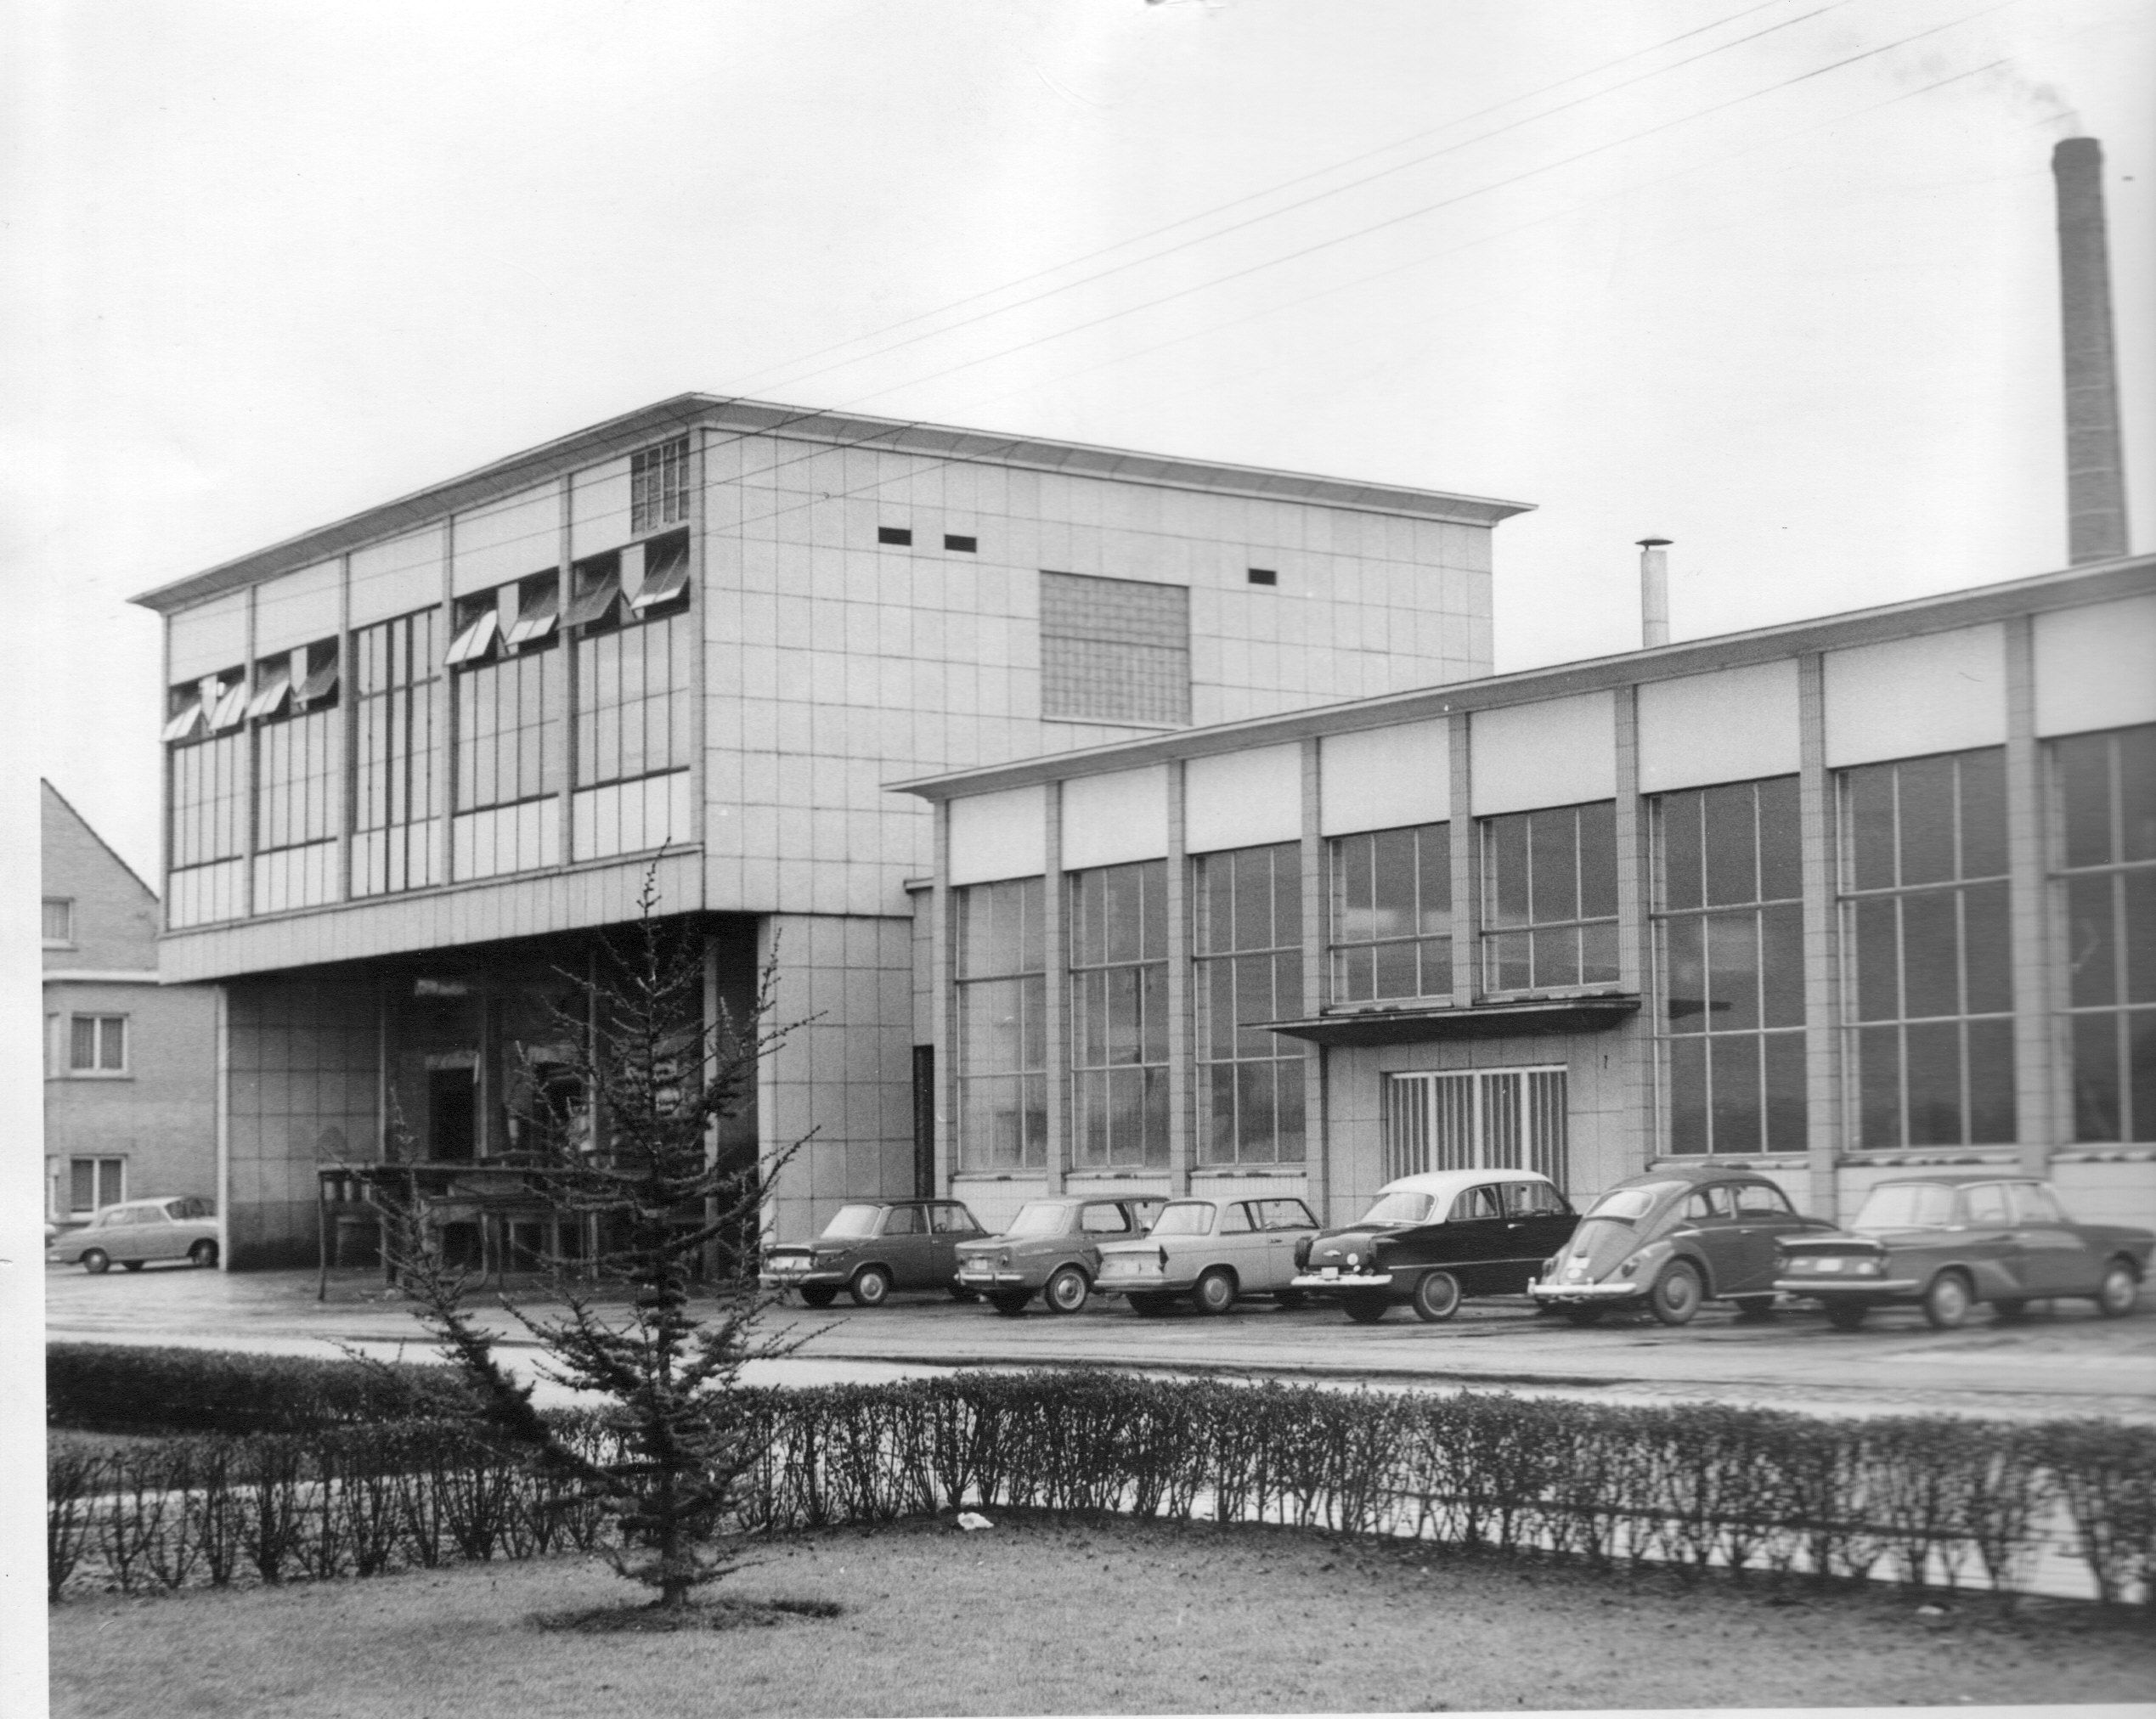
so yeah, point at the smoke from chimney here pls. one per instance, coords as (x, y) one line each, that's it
(2095, 476)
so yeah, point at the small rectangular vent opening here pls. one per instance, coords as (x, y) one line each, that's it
(893, 535)
(961, 545)
(1264, 576)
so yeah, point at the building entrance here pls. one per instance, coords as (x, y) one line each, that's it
(1489, 1119)
(452, 1115)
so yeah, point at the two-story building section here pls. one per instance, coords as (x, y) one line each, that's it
(418, 760)
(1827, 900)
(130, 1066)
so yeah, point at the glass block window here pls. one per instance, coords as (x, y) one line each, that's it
(658, 486)
(1927, 970)
(1118, 1015)
(1391, 907)
(398, 790)
(1115, 650)
(2103, 802)
(1549, 897)
(1002, 1013)
(1247, 933)
(1729, 940)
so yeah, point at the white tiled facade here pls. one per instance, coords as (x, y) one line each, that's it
(825, 659)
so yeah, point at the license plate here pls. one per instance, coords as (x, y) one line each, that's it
(1331, 1273)
(974, 1271)
(1828, 1265)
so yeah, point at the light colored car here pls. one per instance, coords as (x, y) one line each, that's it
(1212, 1250)
(137, 1232)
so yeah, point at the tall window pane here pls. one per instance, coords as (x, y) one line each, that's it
(1550, 899)
(1392, 906)
(2102, 791)
(397, 781)
(1248, 937)
(1002, 996)
(1927, 965)
(1728, 968)
(1119, 1005)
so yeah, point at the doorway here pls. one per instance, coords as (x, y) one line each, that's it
(1491, 1118)
(452, 1114)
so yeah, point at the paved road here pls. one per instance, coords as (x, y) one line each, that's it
(2062, 1361)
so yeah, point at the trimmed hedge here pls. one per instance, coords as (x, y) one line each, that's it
(114, 1387)
(1931, 1501)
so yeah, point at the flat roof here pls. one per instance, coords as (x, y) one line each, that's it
(2099, 582)
(617, 436)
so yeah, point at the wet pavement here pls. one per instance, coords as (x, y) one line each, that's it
(2060, 1360)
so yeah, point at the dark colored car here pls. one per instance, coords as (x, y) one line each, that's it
(1432, 1239)
(1678, 1236)
(1945, 1242)
(872, 1247)
(1052, 1250)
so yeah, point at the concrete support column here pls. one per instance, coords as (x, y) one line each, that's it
(1635, 1041)
(249, 767)
(445, 826)
(1317, 1131)
(564, 699)
(349, 728)
(942, 1013)
(1467, 869)
(1055, 927)
(1183, 1042)
(1823, 1111)
(2039, 1095)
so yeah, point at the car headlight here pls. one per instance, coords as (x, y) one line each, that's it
(1003, 1258)
(1867, 1268)
(824, 1258)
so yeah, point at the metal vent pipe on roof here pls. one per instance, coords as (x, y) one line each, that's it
(2096, 465)
(1654, 592)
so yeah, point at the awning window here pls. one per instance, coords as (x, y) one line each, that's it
(666, 577)
(476, 640)
(276, 688)
(595, 605)
(231, 706)
(186, 721)
(534, 623)
(319, 684)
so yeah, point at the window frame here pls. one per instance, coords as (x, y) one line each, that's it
(1028, 984)
(1094, 1015)
(102, 1025)
(1283, 957)
(66, 939)
(1340, 950)
(1494, 927)
(98, 1163)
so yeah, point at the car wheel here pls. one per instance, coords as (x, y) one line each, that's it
(1364, 1309)
(1846, 1315)
(819, 1294)
(1754, 1306)
(1010, 1306)
(2115, 1295)
(1215, 1291)
(1436, 1296)
(1066, 1290)
(1947, 1302)
(1147, 1303)
(2010, 1309)
(97, 1260)
(870, 1288)
(1676, 1295)
(204, 1253)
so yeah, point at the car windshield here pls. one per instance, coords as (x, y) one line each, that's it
(1634, 1203)
(852, 1221)
(1186, 1218)
(1039, 1218)
(1906, 1206)
(1401, 1208)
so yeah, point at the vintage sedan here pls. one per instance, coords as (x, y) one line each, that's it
(1052, 1250)
(140, 1231)
(1668, 1241)
(1944, 1242)
(872, 1247)
(1214, 1251)
(1433, 1239)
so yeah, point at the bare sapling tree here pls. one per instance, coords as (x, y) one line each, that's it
(617, 1146)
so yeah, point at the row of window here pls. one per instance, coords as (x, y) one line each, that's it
(85, 1046)
(1926, 987)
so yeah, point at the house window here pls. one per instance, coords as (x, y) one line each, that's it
(398, 802)
(1392, 915)
(1550, 899)
(1730, 967)
(97, 1045)
(1927, 966)
(1115, 650)
(1119, 1015)
(2102, 794)
(58, 921)
(93, 1183)
(658, 487)
(1002, 1008)
(1248, 943)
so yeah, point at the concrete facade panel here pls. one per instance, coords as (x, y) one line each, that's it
(1734, 726)
(1558, 753)
(509, 540)
(301, 608)
(1907, 697)
(1114, 819)
(995, 836)
(1385, 778)
(397, 578)
(2095, 667)
(208, 638)
(1242, 799)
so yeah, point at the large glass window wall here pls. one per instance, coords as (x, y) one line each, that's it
(1392, 915)
(1118, 1015)
(1550, 899)
(1002, 1009)
(1248, 943)
(397, 799)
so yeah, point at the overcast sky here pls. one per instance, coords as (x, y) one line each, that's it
(1774, 280)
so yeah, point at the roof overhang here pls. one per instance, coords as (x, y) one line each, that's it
(1504, 1020)
(618, 436)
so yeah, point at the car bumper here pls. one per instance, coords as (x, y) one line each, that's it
(1343, 1283)
(997, 1279)
(1847, 1289)
(1141, 1284)
(1581, 1294)
(794, 1279)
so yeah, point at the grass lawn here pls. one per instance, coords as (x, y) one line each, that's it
(1037, 1616)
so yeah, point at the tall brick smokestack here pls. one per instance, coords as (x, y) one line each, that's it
(2096, 476)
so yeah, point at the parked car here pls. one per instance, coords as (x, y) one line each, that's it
(1212, 1250)
(137, 1232)
(872, 1247)
(1051, 1249)
(1945, 1242)
(1432, 1239)
(1670, 1239)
